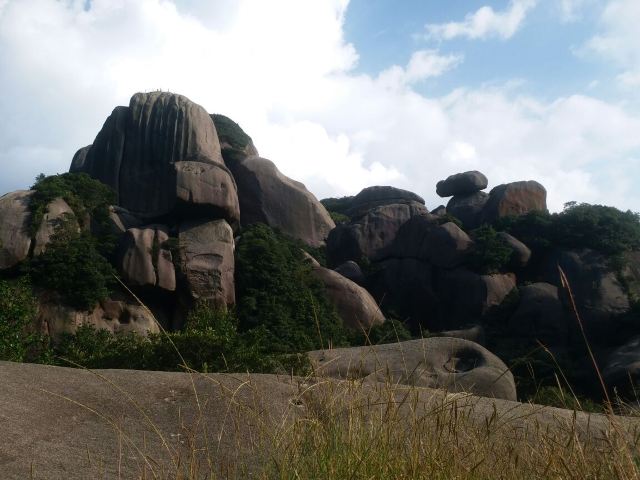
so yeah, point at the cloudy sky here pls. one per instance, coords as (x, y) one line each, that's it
(344, 94)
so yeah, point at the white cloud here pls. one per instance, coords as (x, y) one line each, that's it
(618, 40)
(570, 9)
(484, 23)
(285, 73)
(423, 64)
(630, 79)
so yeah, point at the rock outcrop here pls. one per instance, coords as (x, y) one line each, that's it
(372, 197)
(15, 237)
(140, 153)
(468, 208)
(453, 364)
(370, 235)
(423, 238)
(144, 260)
(206, 261)
(56, 214)
(517, 198)
(267, 196)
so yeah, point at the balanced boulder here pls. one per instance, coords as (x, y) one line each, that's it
(267, 196)
(352, 271)
(453, 364)
(15, 238)
(462, 184)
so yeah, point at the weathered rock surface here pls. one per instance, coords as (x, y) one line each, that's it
(439, 211)
(354, 305)
(462, 184)
(449, 363)
(207, 261)
(15, 239)
(512, 199)
(371, 235)
(56, 214)
(139, 152)
(521, 253)
(421, 237)
(465, 296)
(352, 271)
(116, 316)
(267, 196)
(144, 261)
(76, 444)
(372, 197)
(541, 315)
(468, 208)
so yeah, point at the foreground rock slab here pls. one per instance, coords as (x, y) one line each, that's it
(75, 424)
(454, 364)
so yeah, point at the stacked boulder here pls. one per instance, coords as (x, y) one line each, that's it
(473, 207)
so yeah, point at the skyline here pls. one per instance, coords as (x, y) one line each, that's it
(343, 95)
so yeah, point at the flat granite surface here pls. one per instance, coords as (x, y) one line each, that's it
(63, 423)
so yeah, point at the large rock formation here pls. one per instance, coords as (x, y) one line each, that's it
(267, 196)
(462, 184)
(140, 153)
(453, 364)
(15, 238)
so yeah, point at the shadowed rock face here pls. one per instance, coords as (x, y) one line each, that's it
(370, 235)
(15, 239)
(468, 208)
(267, 196)
(454, 364)
(140, 153)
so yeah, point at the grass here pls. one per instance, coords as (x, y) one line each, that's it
(267, 427)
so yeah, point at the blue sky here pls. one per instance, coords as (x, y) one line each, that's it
(344, 94)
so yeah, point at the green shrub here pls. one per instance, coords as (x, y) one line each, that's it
(230, 132)
(19, 339)
(337, 205)
(277, 291)
(85, 196)
(338, 217)
(604, 229)
(490, 253)
(73, 267)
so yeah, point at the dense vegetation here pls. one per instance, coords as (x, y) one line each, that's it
(604, 229)
(76, 262)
